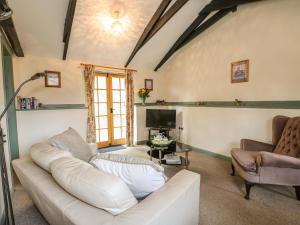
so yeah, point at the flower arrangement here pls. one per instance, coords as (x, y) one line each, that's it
(143, 94)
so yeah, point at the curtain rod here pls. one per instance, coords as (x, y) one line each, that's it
(109, 67)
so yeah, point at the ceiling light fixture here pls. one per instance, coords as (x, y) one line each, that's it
(117, 26)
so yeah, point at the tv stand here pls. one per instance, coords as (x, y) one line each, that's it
(163, 131)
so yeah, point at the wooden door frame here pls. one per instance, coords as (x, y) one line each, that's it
(109, 91)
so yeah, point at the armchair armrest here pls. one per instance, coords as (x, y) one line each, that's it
(267, 159)
(251, 145)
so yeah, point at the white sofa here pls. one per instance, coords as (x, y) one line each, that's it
(176, 203)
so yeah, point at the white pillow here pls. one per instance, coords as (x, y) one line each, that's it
(95, 187)
(43, 154)
(72, 142)
(141, 175)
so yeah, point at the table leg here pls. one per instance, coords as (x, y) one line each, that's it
(187, 160)
(160, 154)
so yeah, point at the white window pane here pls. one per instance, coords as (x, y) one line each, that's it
(102, 96)
(123, 132)
(95, 84)
(115, 83)
(96, 109)
(117, 121)
(103, 122)
(123, 120)
(117, 133)
(123, 96)
(97, 136)
(101, 82)
(103, 135)
(116, 96)
(102, 109)
(122, 83)
(97, 122)
(123, 108)
(116, 107)
(95, 96)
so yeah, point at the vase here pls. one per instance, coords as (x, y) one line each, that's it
(143, 101)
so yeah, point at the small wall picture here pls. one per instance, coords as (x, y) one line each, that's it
(52, 79)
(240, 71)
(149, 84)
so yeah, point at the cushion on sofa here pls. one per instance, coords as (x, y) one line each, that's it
(246, 159)
(95, 187)
(289, 143)
(71, 141)
(43, 154)
(141, 175)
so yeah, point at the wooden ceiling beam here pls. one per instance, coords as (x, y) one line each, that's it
(166, 17)
(200, 18)
(68, 26)
(12, 36)
(224, 7)
(158, 13)
(226, 4)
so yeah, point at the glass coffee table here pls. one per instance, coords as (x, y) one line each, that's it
(179, 149)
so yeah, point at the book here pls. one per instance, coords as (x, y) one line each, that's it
(173, 159)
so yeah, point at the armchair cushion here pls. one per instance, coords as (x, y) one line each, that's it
(267, 159)
(246, 159)
(251, 145)
(289, 143)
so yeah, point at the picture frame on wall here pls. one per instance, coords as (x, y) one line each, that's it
(52, 79)
(240, 71)
(149, 84)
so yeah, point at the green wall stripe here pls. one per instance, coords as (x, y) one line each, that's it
(232, 104)
(57, 107)
(195, 149)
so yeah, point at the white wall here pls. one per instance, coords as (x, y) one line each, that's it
(267, 33)
(36, 126)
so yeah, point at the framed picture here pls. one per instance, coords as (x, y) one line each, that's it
(149, 84)
(240, 71)
(52, 79)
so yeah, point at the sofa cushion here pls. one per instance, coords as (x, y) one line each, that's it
(71, 141)
(93, 186)
(43, 154)
(141, 175)
(246, 159)
(289, 143)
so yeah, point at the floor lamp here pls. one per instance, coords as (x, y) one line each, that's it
(8, 210)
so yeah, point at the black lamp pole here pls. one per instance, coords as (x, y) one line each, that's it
(8, 210)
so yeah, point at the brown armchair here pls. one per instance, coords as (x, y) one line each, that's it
(277, 163)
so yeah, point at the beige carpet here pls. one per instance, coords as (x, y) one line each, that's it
(221, 198)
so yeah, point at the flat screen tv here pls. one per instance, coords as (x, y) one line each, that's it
(160, 118)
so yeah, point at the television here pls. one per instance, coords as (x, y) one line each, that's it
(160, 118)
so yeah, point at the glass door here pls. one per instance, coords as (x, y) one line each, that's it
(118, 109)
(110, 109)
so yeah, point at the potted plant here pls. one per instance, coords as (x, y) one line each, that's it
(143, 94)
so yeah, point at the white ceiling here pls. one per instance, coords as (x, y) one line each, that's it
(40, 25)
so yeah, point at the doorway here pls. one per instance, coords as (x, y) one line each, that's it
(110, 109)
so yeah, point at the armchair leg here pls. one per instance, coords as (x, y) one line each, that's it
(233, 170)
(297, 190)
(248, 186)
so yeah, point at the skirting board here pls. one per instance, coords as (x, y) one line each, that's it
(196, 149)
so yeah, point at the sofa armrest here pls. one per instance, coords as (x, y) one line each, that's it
(93, 148)
(251, 145)
(267, 159)
(176, 203)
